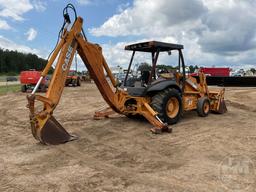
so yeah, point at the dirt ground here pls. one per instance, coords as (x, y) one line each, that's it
(216, 153)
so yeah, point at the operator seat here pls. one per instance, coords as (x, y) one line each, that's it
(145, 78)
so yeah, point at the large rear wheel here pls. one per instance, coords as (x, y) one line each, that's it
(168, 104)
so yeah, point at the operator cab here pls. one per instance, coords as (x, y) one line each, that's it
(151, 80)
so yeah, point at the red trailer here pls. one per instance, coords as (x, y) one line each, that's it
(213, 71)
(28, 79)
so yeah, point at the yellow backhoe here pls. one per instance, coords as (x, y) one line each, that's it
(161, 100)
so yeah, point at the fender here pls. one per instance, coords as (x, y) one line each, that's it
(162, 85)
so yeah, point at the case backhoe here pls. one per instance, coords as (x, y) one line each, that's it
(161, 101)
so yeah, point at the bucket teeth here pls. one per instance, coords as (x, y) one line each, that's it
(52, 133)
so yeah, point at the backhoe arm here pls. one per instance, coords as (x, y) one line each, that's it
(44, 126)
(91, 54)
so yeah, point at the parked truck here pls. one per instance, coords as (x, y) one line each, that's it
(73, 79)
(28, 80)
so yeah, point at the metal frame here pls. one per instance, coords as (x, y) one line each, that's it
(129, 68)
(155, 48)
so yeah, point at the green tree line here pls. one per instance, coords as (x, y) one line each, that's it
(13, 62)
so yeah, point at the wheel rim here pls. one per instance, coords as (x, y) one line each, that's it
(206, 107)
(172, 107)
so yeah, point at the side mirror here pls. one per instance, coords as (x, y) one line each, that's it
(169, 52)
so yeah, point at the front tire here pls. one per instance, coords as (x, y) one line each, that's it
(203, 107)
(168, 104)
(74, 82)
(23, 88)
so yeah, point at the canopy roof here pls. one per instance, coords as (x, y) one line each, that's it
(153, 46)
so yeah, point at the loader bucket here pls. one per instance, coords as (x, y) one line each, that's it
(218, 103)
(222, 107)
(52, 133)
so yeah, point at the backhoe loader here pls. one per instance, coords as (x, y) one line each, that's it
(161, 101)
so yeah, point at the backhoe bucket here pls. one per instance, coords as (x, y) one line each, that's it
(222, 108)
(44, 126)
(53, 133)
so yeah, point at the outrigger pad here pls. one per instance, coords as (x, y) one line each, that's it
(53, 133)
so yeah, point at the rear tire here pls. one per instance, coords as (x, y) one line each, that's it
(168, 104)
(203, 107)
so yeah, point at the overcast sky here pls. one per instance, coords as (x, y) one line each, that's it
(213, 32)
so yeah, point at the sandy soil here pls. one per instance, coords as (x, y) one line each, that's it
(216, 153)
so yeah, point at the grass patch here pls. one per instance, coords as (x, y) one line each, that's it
(3, 78)
(9, 89)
